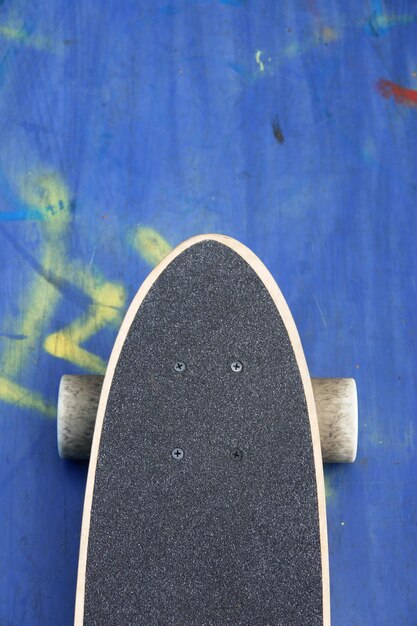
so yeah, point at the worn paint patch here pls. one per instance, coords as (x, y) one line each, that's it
(328, 34)
(370, 152)
(324, 35)
(329, 488)
(401, 95)
(150, 244)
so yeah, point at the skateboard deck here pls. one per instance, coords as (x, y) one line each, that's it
(205, 497)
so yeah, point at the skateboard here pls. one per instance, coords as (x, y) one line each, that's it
(205, 498)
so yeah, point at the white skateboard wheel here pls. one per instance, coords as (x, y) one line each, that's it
(336, 404)
(337, 413)
(78, 399)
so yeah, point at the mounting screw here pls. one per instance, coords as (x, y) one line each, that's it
(177, 454)
(179, 366)
(236, 454)
(236, 366)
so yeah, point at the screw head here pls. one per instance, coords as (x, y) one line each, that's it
(179, 366)
(177, 454)
(236, 454)
(236, 366)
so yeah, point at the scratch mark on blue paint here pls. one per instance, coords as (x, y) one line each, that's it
(15, 337)
(320, 311)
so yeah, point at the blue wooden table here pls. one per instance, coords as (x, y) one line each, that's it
(126, 127)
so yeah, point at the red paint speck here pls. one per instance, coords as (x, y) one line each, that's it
(401, 95)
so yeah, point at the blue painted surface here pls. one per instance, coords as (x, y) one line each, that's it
(162, 115)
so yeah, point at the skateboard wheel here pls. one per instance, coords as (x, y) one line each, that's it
(78, 399)
(336, 404)
(337, 414)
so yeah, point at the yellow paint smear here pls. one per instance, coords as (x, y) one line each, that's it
(16, 394)
(108, 299)
(48, 194)
(388, 21)
(20, 36)
(151, 246)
